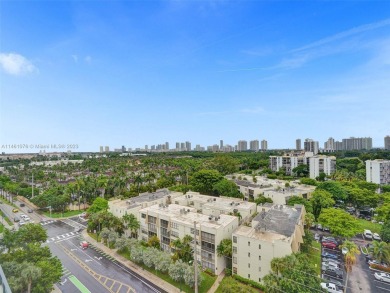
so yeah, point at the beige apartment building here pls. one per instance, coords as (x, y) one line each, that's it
(170, 222)
(321, 164)
(378, 171)
(276, 231)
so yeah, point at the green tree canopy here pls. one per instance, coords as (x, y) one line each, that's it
(339, 222)
(321, 199)
(334, 188)
(99, 204)
(226, 188)
(204, 180)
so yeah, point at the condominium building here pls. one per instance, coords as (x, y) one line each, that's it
(321, 164)
(170, 222)
(378, 171)
(167, 145)
(215, 206)
(254, 145)
(357, 143)
(311, 146)
(106, 149)
(276, 231)
(221, 144)
(242, 145)
(183, 146)
(387, 142)
(264, 145)
(101, 149)
(288, 162)
(178, 146)
(188, 146)
(298, 144)
(329, 145)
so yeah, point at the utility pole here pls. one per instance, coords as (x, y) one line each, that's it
(195, 260)
(32, 183)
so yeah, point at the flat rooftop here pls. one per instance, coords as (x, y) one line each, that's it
(143, 197)
(176, 213)
(255, 234)
(280, 219)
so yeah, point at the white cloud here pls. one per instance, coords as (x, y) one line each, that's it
(16, 64)
(88, 59)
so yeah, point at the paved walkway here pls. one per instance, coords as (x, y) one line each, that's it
(216, 283)
(151, 277)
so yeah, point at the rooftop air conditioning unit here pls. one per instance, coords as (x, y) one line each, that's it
(210, 218)
(215, 199)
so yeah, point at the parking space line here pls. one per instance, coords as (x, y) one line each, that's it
(383, 288)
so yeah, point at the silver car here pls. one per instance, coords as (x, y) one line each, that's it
(382, 277)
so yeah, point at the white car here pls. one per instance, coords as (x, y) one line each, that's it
(330, 287)
(317, 237)
(367, 234)
(376, 236)
(344, 250)
(382, 277)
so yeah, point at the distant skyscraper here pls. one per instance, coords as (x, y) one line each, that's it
(311, 146)
(101, 148)
(153, 147)
(221, 144)
(357, 143)
(167, 145)
(254, 145)
(264, 145)
(146, 147)
(183, 146)
(178, 146)
(106, 149)
(188, 146)
(123, 149)
(387, 142)
(242, 145)
(329, 145)
(298, 145)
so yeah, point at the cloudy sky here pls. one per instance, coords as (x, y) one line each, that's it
(144, 72)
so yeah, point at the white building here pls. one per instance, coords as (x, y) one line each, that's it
(329, 145)
(169, 222)
(321, 164)
(254, 145)
(242, 145)
(378, 171)
(264, 145)
(276, 231)
(289, 162)
(311, 146)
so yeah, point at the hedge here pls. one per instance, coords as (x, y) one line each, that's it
(249, 282)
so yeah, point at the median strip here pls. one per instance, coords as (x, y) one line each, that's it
(79, 285)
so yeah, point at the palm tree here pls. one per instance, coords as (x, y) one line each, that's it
(132, 223)
(350, 257)
(380, 251)
(29, 274)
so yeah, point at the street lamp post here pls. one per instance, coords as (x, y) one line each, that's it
(195, 260)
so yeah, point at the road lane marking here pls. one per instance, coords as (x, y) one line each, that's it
(79, 285)
(382, 288)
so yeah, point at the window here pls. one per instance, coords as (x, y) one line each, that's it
(259, 269)
(174, 225)
(259, 246)
(249, 265)
(234, 260)
(259, 257)
(249, 254)
(234, 270)
(249, 243)
(143, 216)
(249, 276)
(234, 239)
(259, 279)
(234, 249)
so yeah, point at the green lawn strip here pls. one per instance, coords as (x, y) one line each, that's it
(62, 215)
(7, 202)
(6, 218)
(315, 256)
(374, 227)
(1, 228)
(79, 285)
(233, 284)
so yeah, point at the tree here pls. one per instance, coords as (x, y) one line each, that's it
(339, 222)
(261, 199)
(30, 274)
(385, 232)
(301, 170)
(309, 220)
(226, 188)
(350, 256)
(105, 233)
(182, 249)
(189, 276)
(121, 243)
(163, 262)
(380, 251)
(176, 270)
(132, 223)
(308, 238)
(30, 233)
(334, 188)
(225, 249)
(136, 253)
(204, 180)
(294, 274)
(321, 199)
(99, 204)
(150, 257)
(296, 199)
(224, 164)
(112, 236)
(154, 242)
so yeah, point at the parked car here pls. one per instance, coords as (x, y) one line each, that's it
(329, 238)
(319, 226)
(344, 250)
(15, 210)
(317, 237)
(326, 229)
(368, 218)
(335, 281)
(22, 204)
(382, 277)
(334, 272)
(16, 219)
(313, 225)
(330, 255)
(367, 234)
(376, 236)
(330, 245)
(328, 264)
(330, 287)
(30, 211)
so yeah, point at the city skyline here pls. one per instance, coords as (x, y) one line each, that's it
(132, 73)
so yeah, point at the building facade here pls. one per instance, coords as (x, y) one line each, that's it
(264, 145)
(298, 144)
(254, 145)
(378, 171)
(242, 145)
(311, 146)
(321, 164)
(276, 231)
(387, 142)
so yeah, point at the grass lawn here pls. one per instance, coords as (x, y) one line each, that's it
(315, 256)
(63, 215)
(6, 219)
(1, 228)
(232, 284)
(374, 227)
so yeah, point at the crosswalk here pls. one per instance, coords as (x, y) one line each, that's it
(43, 223)
(73, 224)
(63, 237)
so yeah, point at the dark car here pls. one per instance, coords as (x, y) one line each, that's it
(330, 255)
(22, 204)
(334, 273)
(30, 211)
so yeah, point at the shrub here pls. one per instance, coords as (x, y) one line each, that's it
(380, 268)
(249, 282)
(228, 272)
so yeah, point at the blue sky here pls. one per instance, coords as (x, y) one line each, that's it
(144, 72)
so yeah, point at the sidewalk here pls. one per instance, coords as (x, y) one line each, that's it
(147, 275)
(217, 282)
